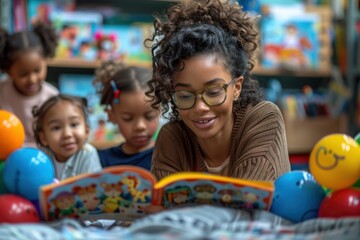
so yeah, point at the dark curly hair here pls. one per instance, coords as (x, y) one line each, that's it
(42, 38)
(192, 28)
(126, 78)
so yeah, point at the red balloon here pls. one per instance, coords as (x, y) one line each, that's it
(16, 209)
(341, 203)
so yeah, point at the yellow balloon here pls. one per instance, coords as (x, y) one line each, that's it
(335, 161)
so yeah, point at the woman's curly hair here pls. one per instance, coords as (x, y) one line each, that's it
(192, 28)
(42, 38)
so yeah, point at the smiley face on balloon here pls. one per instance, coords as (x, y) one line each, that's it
(334, 161)
(326, 159)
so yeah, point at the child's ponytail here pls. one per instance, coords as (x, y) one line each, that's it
(103, 76)
(48, 38)
(4, 35)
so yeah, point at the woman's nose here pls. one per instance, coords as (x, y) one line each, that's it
(200, 104)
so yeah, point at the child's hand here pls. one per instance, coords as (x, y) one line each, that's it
(150, 209)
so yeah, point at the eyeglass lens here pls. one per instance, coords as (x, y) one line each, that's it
(214, 95)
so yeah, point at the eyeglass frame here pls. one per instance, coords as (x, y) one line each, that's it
(201, 92)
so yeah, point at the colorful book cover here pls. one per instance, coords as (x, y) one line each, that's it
(121, 42)
(40, 10)
(121, 192)
(76, 34)
(290, 41)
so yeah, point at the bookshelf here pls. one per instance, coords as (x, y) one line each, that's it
(300, 140)
(81, 63)
(352, 71)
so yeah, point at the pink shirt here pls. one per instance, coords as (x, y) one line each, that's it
(11, 100)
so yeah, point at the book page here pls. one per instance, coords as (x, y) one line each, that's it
(183, 189)
(115, 193)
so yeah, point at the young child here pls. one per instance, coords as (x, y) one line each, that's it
(123, 93)
(61, 128)
(23, 57)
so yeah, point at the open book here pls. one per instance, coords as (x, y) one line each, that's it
(121, 192)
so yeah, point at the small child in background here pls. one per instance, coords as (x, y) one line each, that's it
(123, 93)
(61, 128)
(23, 58)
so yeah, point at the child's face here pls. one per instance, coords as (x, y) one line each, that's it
(64, 130)
(136, 120)
(28, 72)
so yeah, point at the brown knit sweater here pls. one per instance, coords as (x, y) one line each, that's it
(258, 146)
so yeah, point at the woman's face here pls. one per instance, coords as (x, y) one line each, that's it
(200, 72)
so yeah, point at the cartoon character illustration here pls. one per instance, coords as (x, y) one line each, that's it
(250, 200)
(88, 196)
(67, 41)
(204, 193)
(107, 45)
(112, 198)
(132, 184)
(178, 195)
(64, 204)
(226, 197)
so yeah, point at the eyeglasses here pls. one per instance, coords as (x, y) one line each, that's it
(213, 96)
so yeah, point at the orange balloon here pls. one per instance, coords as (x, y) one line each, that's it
(12, 133)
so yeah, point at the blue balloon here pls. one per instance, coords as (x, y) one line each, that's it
(297, 196)
(26, 170)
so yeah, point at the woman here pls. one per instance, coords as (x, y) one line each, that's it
(203, 54)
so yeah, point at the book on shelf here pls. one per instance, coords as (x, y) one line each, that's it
(76, 31)
(290, 38)
(122, 43)
(122, 192)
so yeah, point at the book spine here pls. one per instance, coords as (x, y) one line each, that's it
(5, 14)
(19, 10)
(157, 197)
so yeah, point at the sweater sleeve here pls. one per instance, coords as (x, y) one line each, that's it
(170, 154)
(262, 152)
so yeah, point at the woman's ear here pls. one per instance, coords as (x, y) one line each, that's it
(238, 87)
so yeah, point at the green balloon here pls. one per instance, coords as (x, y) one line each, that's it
(357, 138)
(357, 184)
(326, 190)
(3, 189)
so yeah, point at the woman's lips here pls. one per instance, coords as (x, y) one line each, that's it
(204, 123)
